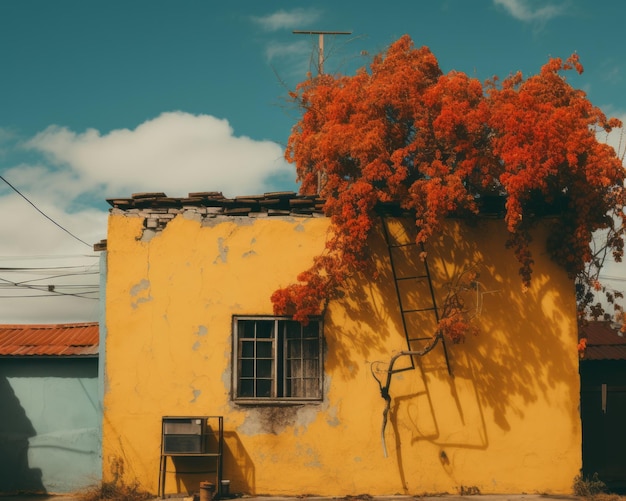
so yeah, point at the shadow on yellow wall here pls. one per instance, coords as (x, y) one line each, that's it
(517, 359)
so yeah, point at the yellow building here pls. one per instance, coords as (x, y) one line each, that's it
(189, 331)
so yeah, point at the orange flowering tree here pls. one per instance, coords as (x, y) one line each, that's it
(438, 144)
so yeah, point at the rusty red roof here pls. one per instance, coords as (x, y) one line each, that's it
(604, 341)
(55, 340)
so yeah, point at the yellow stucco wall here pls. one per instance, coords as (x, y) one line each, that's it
(507, 422)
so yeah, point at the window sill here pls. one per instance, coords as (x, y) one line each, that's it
(251, 402)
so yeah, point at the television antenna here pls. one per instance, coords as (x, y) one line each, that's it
(320, 53)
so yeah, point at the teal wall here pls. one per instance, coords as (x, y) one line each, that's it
(50, 438)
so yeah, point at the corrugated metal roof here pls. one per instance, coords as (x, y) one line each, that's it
(604, 342)
(75, 339)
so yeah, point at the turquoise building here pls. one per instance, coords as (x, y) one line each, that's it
(50, 412)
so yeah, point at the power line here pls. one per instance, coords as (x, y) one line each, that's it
(84, 291)
(34, 296)
(43, 213)
(52, 277)
(35, 269)
(48, 257)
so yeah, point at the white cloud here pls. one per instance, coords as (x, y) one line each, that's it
(292, 20)
(176, 153)
(300, 50)
(528, 11)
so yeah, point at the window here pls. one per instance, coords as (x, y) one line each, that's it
(277, 358)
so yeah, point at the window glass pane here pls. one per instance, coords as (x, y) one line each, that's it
(264, 349)
(310, 348)
(246, 349)
(263, 388)
(264, 328)
(312, 330)
(294, 330)
(294, 369)
(264, 368)
(294, 348)
(245, 328)
(310, 388)
(246, 387)
(310, 368)
(294, 388)
(247, 368)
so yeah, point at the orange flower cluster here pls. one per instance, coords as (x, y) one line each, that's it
(401, 131)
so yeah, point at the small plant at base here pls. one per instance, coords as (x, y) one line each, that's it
(469, 490)
(114, 491)
(588, 488)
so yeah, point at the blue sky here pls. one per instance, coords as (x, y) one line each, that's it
(104, 99)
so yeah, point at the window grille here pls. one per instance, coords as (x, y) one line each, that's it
(277, 358)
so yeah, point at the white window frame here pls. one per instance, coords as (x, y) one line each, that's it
(308, 385)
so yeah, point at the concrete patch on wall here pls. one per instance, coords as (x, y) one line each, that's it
(311, 455)
(141, 286)
(192, 216)
(222, 251)
(202, 330)
(331, 417)
(196, 393)
(275, 420)
(141, 292)
(147, 235)
(214, 220)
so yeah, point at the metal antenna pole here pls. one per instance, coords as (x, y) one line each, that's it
(320, 66)
(320, 55)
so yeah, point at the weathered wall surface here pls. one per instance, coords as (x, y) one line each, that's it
(49, 425)
(506, 422)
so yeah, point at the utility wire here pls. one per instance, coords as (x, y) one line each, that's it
(79, 296)
(50, 289)
(48, 256)
(43, 213)
(52, 277)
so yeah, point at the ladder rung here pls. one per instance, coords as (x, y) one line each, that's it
(412, 339)
(412, 278)
(416, 310)
(397, 246)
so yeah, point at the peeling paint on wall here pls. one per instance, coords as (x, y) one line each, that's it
(196, 394)
(141, 286)
(143, 289)
(222, 251)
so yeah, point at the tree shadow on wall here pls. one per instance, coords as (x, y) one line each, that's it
(517, 358)
(15, 431)
(520, 352)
